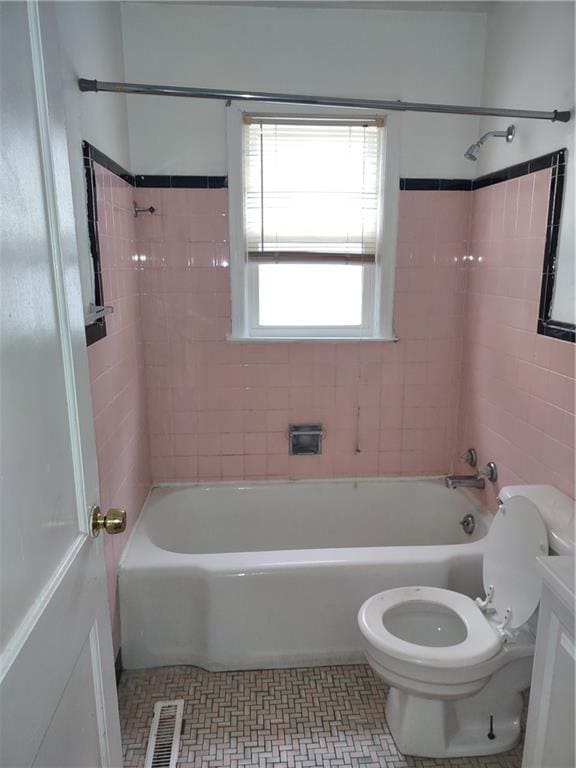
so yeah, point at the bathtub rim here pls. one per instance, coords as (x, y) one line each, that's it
(141, 553)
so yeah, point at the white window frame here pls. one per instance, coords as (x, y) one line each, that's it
(378, 295)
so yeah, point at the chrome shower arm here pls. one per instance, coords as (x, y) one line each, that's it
(472, 151)
(508, 134)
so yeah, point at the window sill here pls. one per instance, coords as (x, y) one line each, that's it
(315, 339)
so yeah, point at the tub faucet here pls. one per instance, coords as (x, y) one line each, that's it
(488, 472)
(465, 481)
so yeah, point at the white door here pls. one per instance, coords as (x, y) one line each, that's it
(58, 706)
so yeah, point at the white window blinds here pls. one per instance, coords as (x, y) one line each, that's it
(311, 189)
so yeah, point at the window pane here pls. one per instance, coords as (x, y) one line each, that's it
(310, 294)
(311, 187)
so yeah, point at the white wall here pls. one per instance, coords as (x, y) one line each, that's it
(530, 64)
(90, 42)
(419, 56)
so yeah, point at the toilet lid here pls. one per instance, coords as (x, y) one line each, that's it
(515, 539)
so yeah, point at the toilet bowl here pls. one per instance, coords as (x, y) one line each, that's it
(456, 666)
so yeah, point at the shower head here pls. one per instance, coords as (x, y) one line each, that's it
(472, 151)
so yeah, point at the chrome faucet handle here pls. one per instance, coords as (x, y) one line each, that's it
(469, 457)
(489, 471)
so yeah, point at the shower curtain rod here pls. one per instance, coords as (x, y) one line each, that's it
(562, 116)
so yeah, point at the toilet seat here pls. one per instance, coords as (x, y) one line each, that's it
(482, 641)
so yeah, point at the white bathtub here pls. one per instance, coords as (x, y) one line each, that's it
(255, 575)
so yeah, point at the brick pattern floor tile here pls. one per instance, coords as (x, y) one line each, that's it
(323, 717)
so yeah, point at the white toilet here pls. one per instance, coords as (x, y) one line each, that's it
(456, 667)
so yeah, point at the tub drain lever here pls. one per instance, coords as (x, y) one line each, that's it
(468, 524)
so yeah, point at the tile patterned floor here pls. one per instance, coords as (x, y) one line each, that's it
(292, 718)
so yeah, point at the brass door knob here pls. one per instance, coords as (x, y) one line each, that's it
(114, 521)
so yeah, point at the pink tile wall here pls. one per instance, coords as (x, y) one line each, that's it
(173, 400)
(117, 374)
(517, 403)
(220, 410)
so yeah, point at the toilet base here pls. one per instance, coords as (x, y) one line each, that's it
(457, 727)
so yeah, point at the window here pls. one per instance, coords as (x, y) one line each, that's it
(307, 224)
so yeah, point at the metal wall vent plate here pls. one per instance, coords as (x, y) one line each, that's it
(164, 739)
(305, 439)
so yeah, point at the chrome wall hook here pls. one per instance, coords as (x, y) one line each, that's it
(139, 209)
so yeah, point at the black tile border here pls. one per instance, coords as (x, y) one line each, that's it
(181, 182)
(118, 668)
(96, 330)
(521, 169)
(110, 165)
(435, 185)
(465, 185)
(547, 326)
(557, 162)
(165, 181)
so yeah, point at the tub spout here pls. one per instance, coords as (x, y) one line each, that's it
(465, 481)
(487, 472)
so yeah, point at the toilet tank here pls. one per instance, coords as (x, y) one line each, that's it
(557, 510)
